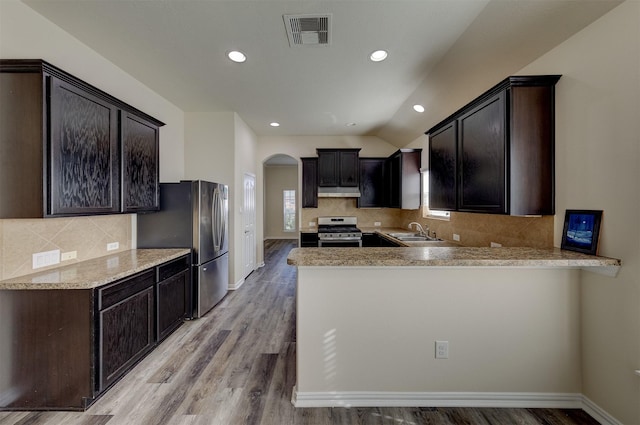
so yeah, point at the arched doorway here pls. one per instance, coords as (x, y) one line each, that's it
(281, 197)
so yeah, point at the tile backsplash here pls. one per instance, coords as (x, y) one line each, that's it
(388, 217)
(88, 236)
(473, 229)
(482, 229)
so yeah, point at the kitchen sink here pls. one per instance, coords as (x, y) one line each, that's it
(412, 237)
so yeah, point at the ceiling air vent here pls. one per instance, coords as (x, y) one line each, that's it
(308, 30)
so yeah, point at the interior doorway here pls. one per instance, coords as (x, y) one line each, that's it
(281, 197)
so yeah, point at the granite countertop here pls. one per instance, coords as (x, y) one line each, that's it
(447, 257)
(96, 272)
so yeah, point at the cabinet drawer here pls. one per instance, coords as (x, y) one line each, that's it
(176, 266)
(118, 291)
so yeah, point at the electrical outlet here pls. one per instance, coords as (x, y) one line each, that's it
(495, 245)
(68, 255)
(44, 259)
(456, 237)
(442, 349)
(312, 224)
(377, 223)
(113, 245)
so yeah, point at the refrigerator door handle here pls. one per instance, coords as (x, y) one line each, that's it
(217, 219)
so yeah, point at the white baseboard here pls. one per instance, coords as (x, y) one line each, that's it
(597, 413)
(453, 399)
(436, 399)
(236, 285)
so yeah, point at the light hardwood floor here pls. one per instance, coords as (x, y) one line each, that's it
(236, 365)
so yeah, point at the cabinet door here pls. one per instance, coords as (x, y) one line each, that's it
(126, 335)
(172, 302)
(482, 147)
(393, 186)
(84, 158)
(371, 183)
(328, 168)
(308, 240)
(442, 168)
(370, 240)
(140, 140)
(348, 166)
(309, 182)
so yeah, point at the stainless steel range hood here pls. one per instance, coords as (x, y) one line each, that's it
(338, 192)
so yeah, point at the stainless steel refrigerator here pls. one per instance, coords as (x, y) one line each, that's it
(193, 214)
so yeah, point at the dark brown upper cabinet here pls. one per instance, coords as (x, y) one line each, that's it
(68, 148)
(443, 169)
(309, 182)
(482, 147)
(338, 167)
(371, 183)
(140, 159)
(504, 151)
(83, 151)
(403, 185)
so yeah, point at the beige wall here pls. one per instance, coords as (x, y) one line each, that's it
(24, 34)
(379, 334)
(220, 147)
(278, 178)
(598, 167)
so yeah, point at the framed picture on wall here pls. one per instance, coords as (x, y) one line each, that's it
(581, 231)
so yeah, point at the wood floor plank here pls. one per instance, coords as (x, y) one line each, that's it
(256, 390)
(237, 365)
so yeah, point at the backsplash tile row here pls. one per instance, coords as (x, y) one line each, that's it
(474, 229)
(88, 236)
(482, 229)
(388, 217)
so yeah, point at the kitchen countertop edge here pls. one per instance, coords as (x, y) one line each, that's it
(446, 257)
(95, 272)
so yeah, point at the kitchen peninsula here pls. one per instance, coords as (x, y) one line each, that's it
(368, 320)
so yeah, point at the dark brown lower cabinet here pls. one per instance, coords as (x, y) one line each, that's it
(173, 296)
(308, 240)
(60, 349)
(46, 349)
(126, 334)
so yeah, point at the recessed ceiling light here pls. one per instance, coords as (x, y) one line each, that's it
(378, 55)
(237, 56)
(350, 124)
(275, 124)
(418, 108)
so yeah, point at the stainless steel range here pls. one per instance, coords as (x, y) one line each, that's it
(339, 232)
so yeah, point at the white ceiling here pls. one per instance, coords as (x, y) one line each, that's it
(177, 48)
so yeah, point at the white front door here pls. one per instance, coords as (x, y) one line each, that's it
(249, 224)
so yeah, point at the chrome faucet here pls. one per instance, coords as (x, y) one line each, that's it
(419, 229)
